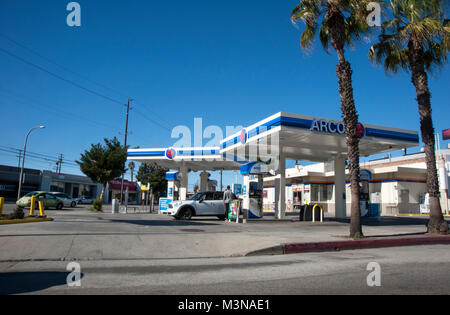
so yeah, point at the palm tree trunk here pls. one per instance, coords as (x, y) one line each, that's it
(336, 27)
(420, 81)
(350, 115)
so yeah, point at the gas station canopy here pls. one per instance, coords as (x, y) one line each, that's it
(274, 140)
(313, 139)
(194, 159)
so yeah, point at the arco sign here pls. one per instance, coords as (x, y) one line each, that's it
(335, 127)
(328, 126)
(171, 153)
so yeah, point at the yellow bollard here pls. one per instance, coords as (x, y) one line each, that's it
(32, 205)
(2, 202)
(314, 213)
(41, 209)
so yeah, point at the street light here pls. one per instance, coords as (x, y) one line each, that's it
(23, 159)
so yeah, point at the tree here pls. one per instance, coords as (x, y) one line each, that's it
(153, 175)
(103, 163)
(131, 166)
(416, 40)
(340, 23)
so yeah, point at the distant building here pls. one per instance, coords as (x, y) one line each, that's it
(73, 185)
(114, 187)
(398, 185)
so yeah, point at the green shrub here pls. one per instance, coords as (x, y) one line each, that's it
(97, 205)
(18, 213)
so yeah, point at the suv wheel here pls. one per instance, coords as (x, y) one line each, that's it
(186, 214)
(73, 204)
(59, 206)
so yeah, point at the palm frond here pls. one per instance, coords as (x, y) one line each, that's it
(413, 20)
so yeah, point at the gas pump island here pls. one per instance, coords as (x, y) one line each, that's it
(276, 139)
(253, 192)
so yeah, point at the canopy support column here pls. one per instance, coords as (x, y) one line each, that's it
(184, 175)
(280, 189)
(204, 177)
(339, 196)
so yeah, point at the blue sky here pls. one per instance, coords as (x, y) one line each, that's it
(229, 62)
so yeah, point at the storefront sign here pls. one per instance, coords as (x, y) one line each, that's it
(117, 184)
(366, 175)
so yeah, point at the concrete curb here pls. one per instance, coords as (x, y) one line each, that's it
(19, 221)
(350, 245)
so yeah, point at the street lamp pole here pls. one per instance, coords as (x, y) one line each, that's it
(23, 159)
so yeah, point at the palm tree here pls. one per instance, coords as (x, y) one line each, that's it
(417, 39)
(339, 23)
(131, 166)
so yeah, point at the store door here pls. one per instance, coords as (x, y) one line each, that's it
(76, 192)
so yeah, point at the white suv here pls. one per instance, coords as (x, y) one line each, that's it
(201, 204)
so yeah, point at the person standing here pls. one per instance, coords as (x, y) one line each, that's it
(227, 197)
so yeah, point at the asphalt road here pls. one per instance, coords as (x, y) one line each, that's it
(407, 270)
(153, 254)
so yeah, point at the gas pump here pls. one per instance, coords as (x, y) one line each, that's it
(253, 192)
(173, 184)
(364, 192)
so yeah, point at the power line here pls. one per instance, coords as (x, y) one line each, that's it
(58, 76)
(74, 83)
(34, 159)
(40, 156)
(153, 121)
(54, 110)
(77, 74)
(59, 65)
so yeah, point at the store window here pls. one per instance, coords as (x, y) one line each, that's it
(326, 193)
(321, 193)
(315, 192)
(57, 187)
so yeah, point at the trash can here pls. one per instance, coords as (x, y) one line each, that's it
(306, 213)
(115, 206)
(302, 212)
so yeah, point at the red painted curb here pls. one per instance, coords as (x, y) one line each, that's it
(361, 244)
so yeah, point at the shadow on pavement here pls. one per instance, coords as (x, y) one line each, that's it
(164, 222)
(28, 282)
(386, 221)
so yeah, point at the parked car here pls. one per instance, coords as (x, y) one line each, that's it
(49, 200)
(201, 204)
(68, 201)
(85, 200)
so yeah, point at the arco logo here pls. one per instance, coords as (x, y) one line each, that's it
(244, 136)
(360, 130)
(171, 153)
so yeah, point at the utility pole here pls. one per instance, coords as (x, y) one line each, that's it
(126, 137)
(20, 158)
(59, 164)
